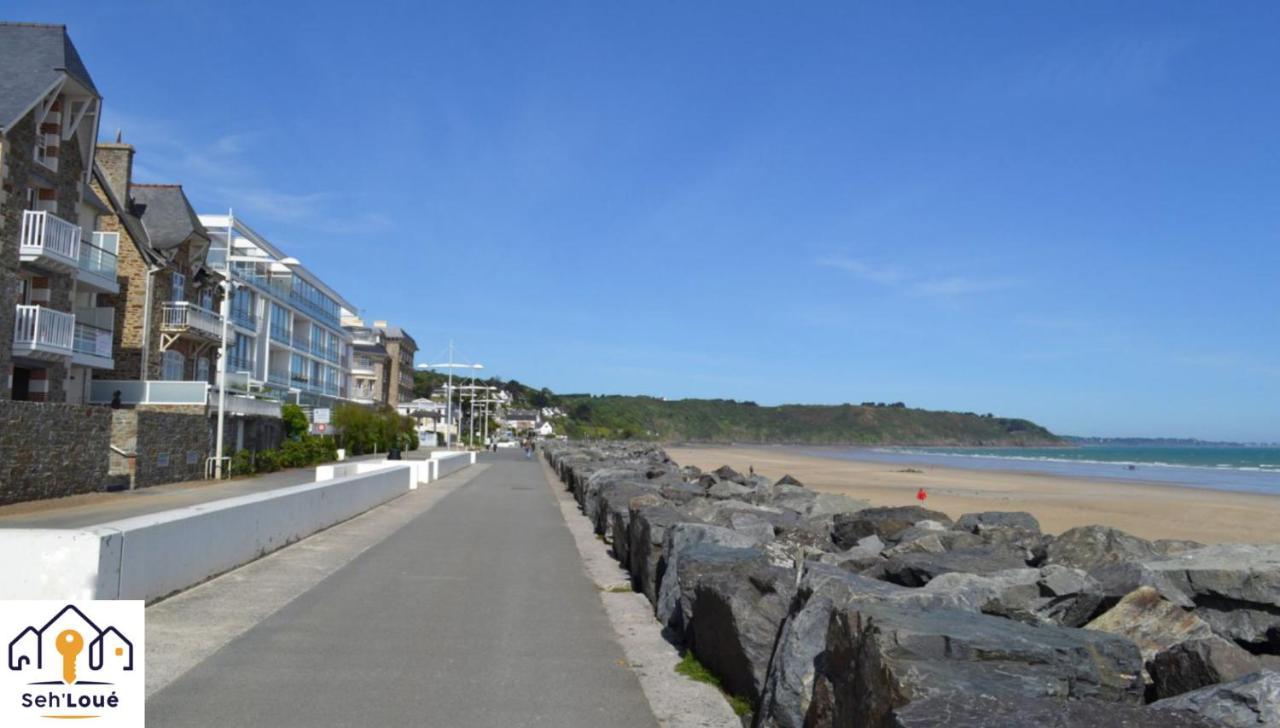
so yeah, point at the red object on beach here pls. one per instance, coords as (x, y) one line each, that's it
(921, 495)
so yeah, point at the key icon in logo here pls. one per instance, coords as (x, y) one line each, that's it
(69, 645)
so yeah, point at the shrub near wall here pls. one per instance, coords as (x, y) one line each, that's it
(49, 450)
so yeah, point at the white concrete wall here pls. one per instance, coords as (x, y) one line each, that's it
(450, 462)
(151, 556)
(421, 470)
(69, 564)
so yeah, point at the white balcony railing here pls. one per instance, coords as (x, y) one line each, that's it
(38, 330)
(47, 237)
(92, 340)
(184, 316)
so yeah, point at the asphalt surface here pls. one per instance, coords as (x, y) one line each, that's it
(475, 613)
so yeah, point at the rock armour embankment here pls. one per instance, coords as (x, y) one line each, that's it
(821, 610)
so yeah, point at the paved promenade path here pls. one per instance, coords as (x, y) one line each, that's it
(475, 613)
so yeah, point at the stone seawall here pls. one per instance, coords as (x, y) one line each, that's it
(50, 450)
(819, 610)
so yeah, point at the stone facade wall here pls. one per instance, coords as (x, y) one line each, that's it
(132, 272)
(20, 172)
(48, 450)
(171, 447)
(399, 370)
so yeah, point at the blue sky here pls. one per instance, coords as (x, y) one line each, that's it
(1061, 212)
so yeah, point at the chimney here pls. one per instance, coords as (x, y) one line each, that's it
(116, 160)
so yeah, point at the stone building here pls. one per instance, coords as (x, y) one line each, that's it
(167, 311)
(369, 362)
(382, 367)
(55, 265)
(401, 348)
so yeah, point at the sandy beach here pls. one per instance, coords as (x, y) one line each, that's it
(1148, 510)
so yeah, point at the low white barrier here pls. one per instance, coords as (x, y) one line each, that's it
(421, 470)
(444, 462)
(151, 556)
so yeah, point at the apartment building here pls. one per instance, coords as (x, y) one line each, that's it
(401, 349)
(382, 368)
(370, 362)
(287, 328)
(166, 314)
(55, 264)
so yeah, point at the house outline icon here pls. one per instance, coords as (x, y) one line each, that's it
(20, 659)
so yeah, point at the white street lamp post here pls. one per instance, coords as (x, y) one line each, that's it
(448, 405)
(225, 308)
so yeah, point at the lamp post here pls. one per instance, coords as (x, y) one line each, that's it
(448, 404)
(225, 309)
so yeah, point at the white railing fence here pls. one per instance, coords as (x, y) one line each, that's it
(182, 314)
(46, 233)
(37, 326)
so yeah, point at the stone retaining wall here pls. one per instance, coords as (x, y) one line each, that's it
(49, 450)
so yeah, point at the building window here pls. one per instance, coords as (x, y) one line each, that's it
(206, 299)
(179, 284)
(173, 366)
(202, 369)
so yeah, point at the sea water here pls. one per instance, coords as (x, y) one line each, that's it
(1237, 468)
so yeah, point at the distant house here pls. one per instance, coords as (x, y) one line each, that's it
(545, 429)
(521, 420)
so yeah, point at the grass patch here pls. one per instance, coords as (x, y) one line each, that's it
(694, 670)
(619, 589)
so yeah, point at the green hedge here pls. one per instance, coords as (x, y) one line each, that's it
(299, 453)
(373, 429)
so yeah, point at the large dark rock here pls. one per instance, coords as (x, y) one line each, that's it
(737, 611)
(881, 657)
(1151, 622)
(680, 492)
(917, 569)
(645, 536)
(1198, 663)
(1089, 547)
(788, 480)
(620, 528)
(614, 497)
(886, 523)
(727, 489)
(724, 472)
(1249, 702)
(1120, 579)
(978, 522)
(788, 686)
(987, 711)
(1236, 589)
(688, 551)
